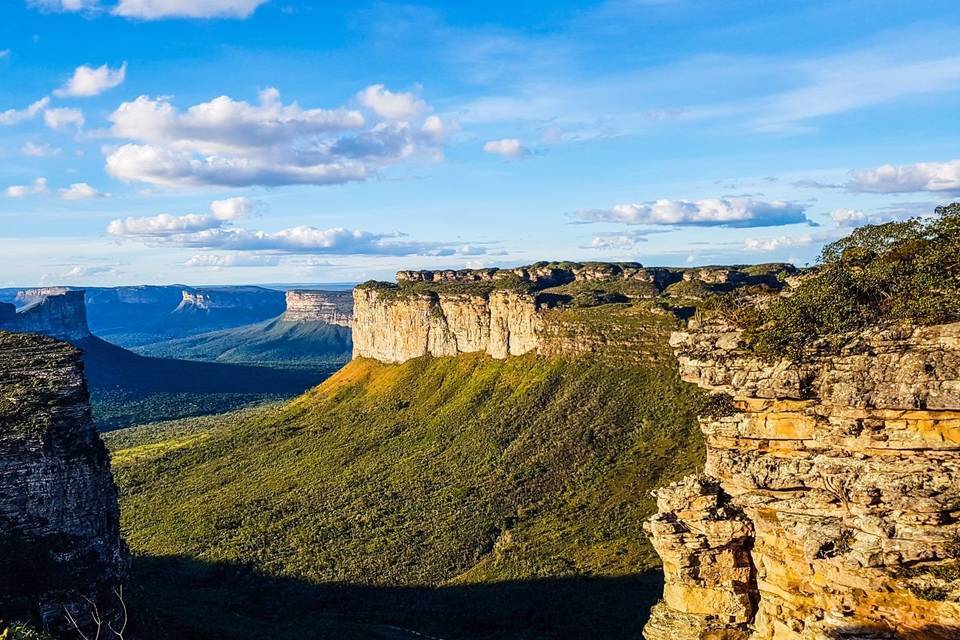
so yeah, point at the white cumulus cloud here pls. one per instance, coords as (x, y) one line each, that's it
(509, 148)
(235, 208)
(710, 212)
(769, 245)
(848, 217)
(393, 106)
(908, 178)
(63, 117)
(14, 116)
(215, 261)
(90, 81)
(81, 271)
(22, 190)
(161, 226)
(233, 143)
(80, 191)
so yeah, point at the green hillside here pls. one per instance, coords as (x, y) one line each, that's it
(127, 388)
(456, 497)
(274, 342)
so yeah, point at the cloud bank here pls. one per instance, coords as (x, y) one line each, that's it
(711, 212)
(155, 9)
(216, 231)
(229, 142)
(937, 177)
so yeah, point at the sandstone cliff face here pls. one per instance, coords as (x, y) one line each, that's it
(330, 307)
(58, 313)
(393, 328)
(59, 521)
(830, 501)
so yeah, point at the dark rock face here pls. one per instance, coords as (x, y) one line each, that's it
(58, 313)
(59, 520)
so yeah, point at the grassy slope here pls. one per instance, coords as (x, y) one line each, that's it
(440, 471)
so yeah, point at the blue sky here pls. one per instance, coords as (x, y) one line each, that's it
(245, 141)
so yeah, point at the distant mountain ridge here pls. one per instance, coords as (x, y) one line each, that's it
(127, 388)
(137, 315)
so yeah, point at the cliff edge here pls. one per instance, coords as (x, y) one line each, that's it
(59, 518)
(329, 307)
(543, 308)
(55, 312)
(828, 507)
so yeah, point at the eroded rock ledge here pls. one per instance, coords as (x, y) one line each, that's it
(830, 500)
(59, 520)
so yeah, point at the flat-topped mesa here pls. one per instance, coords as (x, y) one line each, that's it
(329, 307)
(504, 312)
(212, 299)
(59, 520)
(833, 483)
(60, 313)
(29, 296)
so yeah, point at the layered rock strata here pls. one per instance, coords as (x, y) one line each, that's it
(59, 520)
(330, 307)
(830, 501)
(395, 329)
(59, 313)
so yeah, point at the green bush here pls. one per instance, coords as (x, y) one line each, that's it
(898, 271)
(18, 631)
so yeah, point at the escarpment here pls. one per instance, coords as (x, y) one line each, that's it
(59, 313)
(829, 504)
(330, 307)
(59, 521)
(543, 308)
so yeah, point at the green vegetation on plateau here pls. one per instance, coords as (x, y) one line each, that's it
(888, 272)
(457, 497)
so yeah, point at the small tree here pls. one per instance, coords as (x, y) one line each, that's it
(895, 271)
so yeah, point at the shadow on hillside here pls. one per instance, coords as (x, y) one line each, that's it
(187, 599)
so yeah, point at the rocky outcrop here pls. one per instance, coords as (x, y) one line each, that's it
(329, 307)
(830, 501)
(545, 274)
(59, 521)
(58, 313)
(395, 328)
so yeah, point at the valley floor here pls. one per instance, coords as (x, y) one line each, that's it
(445, 497)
